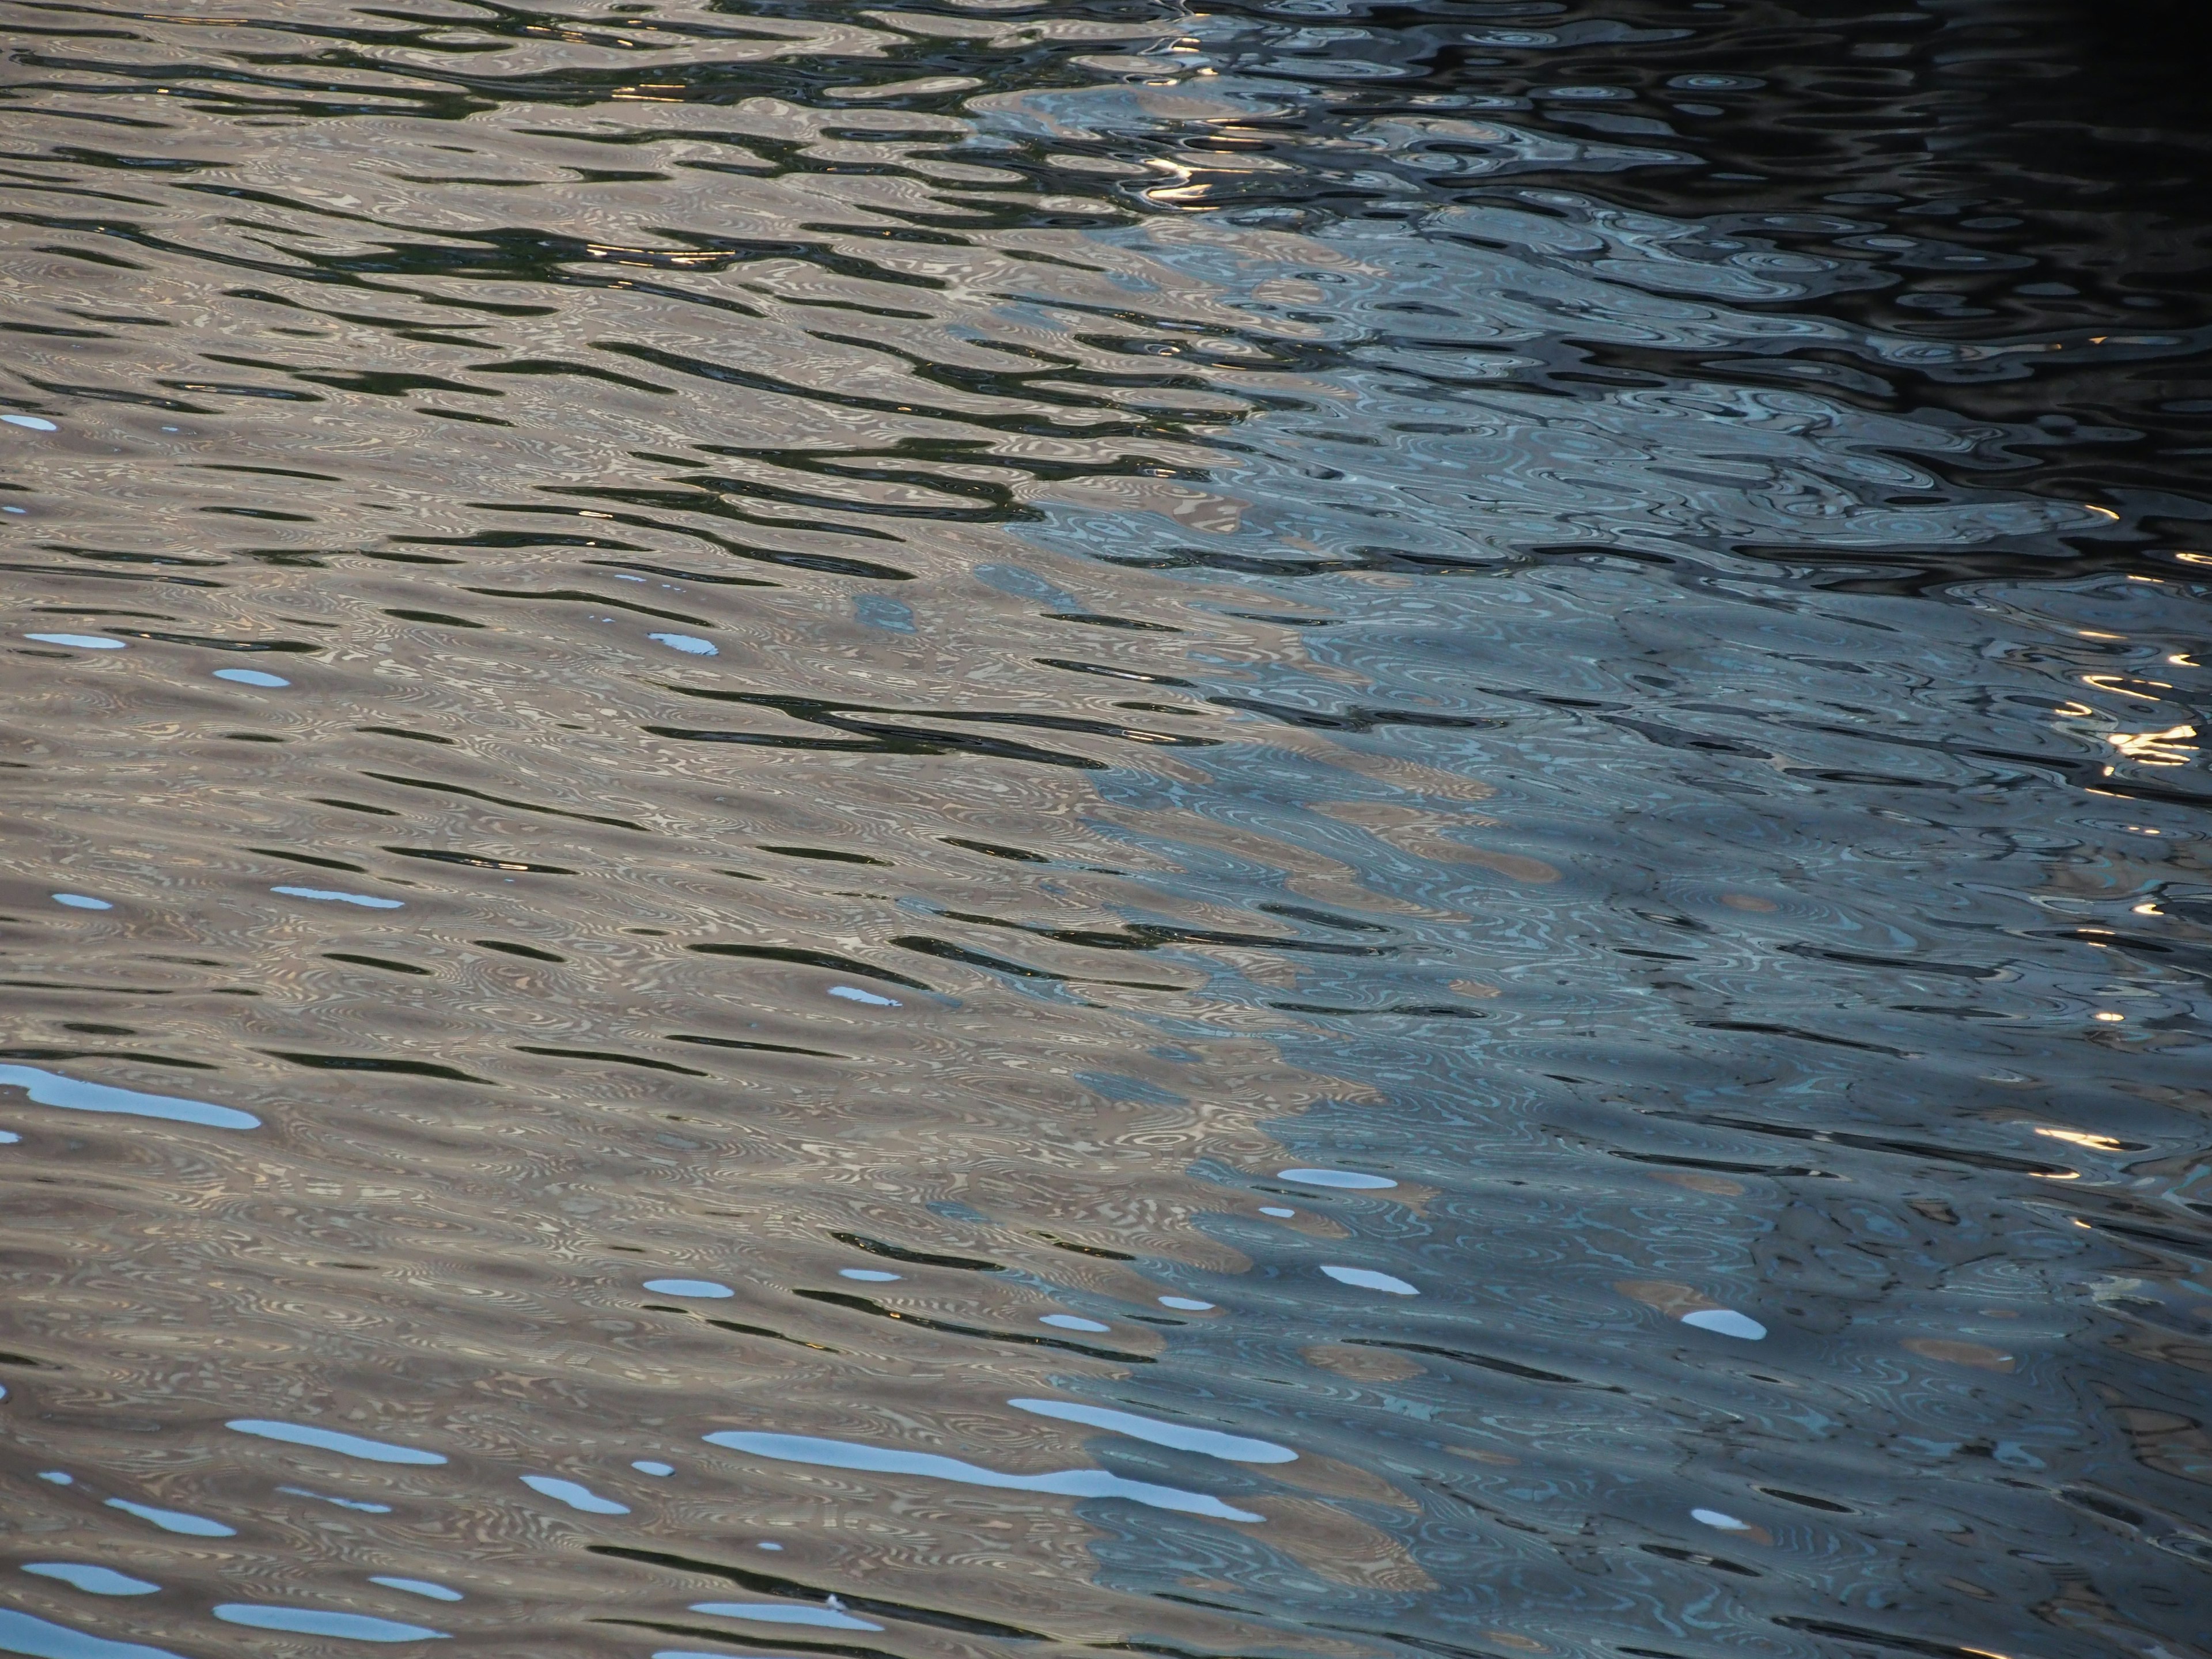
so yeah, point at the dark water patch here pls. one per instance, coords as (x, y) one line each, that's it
(477, 861)
(376, 1063)
(609, 1058)
(508, 947)
(383, 962)
(807, 959)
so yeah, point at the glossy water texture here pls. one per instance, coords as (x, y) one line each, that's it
(985, 829)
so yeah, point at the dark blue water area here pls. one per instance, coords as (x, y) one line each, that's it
(1310, 832)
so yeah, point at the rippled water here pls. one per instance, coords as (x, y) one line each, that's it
(1317, 830)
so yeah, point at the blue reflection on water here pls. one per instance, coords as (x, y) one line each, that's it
(874, 610)
(350, 1445)
(315, 1621)
(1068, 1483)
(74, 1094)
(1351, 1179)
(575, 1495)
(342, 1503)
(1072, 1322)
(1367, 1278)
(192, 1525)
(419, 1587)
(704, 1290)
(1183, 1436)
(97, 1580)
(1726, 1322)
(333, 896)
(40, 1639)
(784, 1612)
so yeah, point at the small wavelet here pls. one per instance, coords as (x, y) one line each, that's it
(421, 1587)
(347, 1445)
(868, 1275)
(1726, 1322)
(94, 1580)
(690, 644)
(1351, 1180)
(1072, 1322)
(251, 676)
(78, 642)
(342, 1503)
(316, 1621)
(575, 1494)
(33, 422)
(1070, 1483)
(1183, 1436)
(854, 994)
(780, 1613)
(704, 1290)
(177, 1520)
(1367, 1278)
(74, 1094)
(41, 1638)
(333, 896)
(82, 902)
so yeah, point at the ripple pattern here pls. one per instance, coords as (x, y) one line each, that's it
(1316, 829)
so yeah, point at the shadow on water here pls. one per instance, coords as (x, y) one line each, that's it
(1314, 828)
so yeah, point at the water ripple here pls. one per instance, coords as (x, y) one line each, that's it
(1441, 768)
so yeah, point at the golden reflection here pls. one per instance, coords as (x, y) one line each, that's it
(2106, 682)
(2075, 1137)
(2156, 748)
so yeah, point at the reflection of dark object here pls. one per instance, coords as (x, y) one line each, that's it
(774, 1584)
(2181, 956)
(900, 1252)
(2021, 174)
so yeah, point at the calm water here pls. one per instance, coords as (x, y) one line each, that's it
(1325, 830)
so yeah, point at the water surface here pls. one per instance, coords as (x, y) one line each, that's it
(1321, 829)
